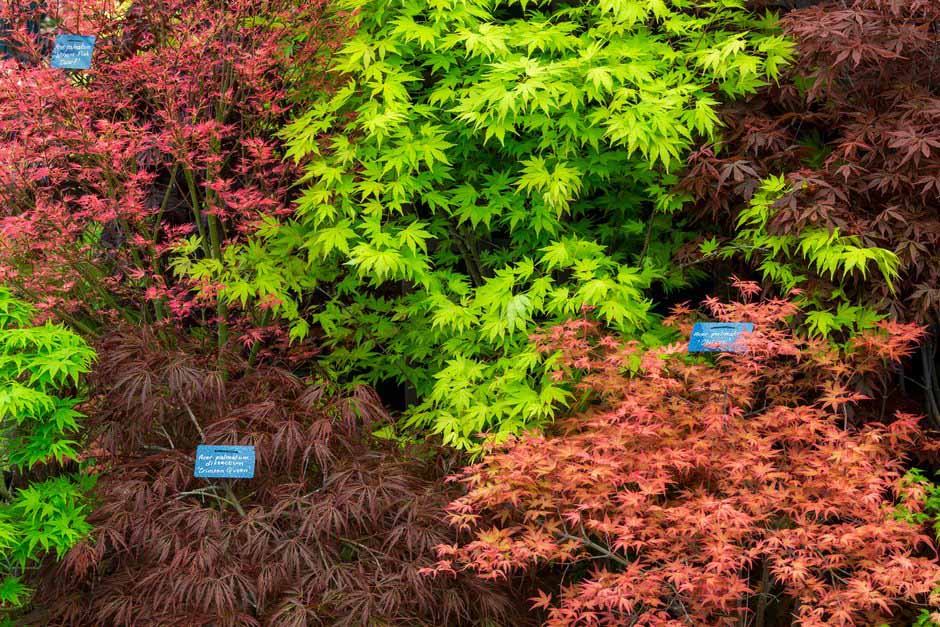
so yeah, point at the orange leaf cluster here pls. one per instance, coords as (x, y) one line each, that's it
(707, 490)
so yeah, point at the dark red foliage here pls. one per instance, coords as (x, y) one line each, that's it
(333, 529)
(856, 130)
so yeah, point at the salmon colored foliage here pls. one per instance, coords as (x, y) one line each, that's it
(708, 490)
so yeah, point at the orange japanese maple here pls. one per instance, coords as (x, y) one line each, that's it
(749, 488)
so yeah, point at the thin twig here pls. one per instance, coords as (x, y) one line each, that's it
(231, 494)
(192, 417)
(604, 551)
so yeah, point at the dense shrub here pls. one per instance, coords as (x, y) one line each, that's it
(42, 498)
(854, 130)
(708, 491)
(333, 529)
(484, 167)
(406, 192)
(170, 133)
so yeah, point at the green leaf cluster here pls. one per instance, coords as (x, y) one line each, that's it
(927, 512)
(486, 167)
(784, 259)
(38, 424)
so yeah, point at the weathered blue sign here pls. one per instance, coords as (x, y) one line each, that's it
(225, 462)
(710, 337)
(73, 52)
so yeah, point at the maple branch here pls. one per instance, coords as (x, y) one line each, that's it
(677, 599)
(192, 417)
(163, 205)
(162, 449)
(167, 436)
(762, 600)
(473, 267)
(234, 499)
(207, 492)
(372, 552)
(604, 551)
(932, 409)
(649, 235)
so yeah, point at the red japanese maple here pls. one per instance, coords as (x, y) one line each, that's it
(332, 530)
(707, 490)
(170, 134)
(856, 130)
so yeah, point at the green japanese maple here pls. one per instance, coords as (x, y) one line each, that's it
(38, 365)
(783, 259)
(486, 166)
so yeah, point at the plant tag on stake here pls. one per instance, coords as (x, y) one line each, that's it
(225, 462)
(713, 337)
(73, 52)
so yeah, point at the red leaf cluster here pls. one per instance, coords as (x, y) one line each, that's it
(856, 129)
(170, 134)
(707, 490)
(333, 529)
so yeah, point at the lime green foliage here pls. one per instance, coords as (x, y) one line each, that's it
(926, 618)
(36, 430)
(487, 166)
(928, 512)
(827, 253)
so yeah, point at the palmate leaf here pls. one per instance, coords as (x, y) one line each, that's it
(874, 180)
(39, 366)
(576, 490)
(828, 252)
(13, 592)
(520, 146)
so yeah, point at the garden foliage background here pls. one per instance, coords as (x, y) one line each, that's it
(437, 261)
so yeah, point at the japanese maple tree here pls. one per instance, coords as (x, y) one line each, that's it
(853, 132)
(333, 528)
(42, 497)
(170, 133)
(709, 490)
(478, 168)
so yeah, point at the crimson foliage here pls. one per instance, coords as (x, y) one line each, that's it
(170, 134)
(708, 491)
(333, 529)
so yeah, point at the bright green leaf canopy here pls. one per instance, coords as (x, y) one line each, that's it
(487, 166)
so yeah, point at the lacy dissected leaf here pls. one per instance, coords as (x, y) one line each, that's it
(332, 529)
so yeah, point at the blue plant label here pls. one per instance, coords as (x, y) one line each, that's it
(225, 462)
(73, 52)
(711, 337)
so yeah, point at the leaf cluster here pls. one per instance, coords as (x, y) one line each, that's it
(333, 528)
(42, 510)
(853, 131)
(710, 491)
(485, 167)
(169, 134)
